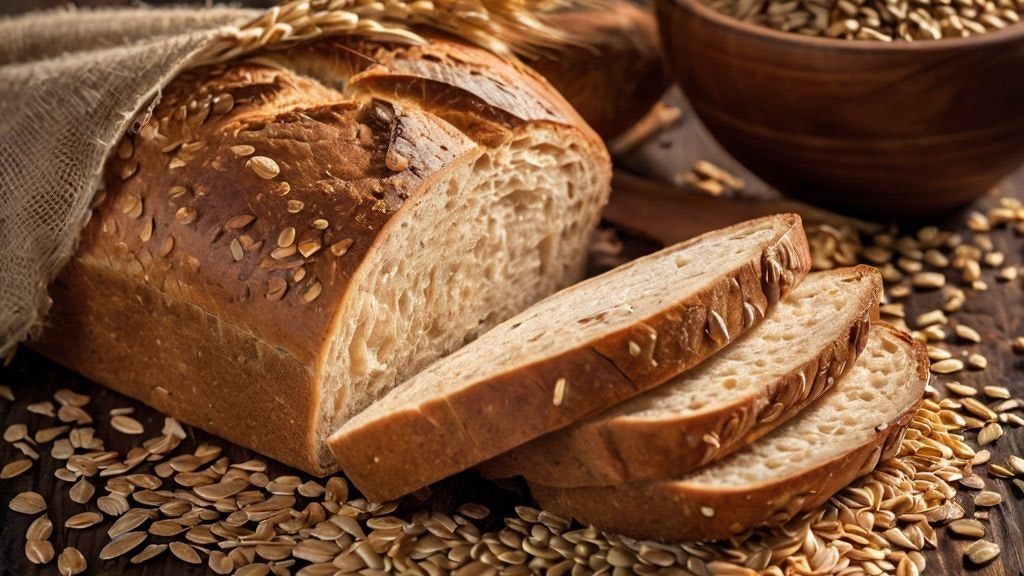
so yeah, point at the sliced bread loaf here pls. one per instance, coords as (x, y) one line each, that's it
(349, 212)
(800, 465)
(737, 396)
(582, 350)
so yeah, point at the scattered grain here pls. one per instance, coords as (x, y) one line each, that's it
(126, 425)
(928, 280)
(15, 468)
(948, 366)
(997, 393)
(1018, 345)
(39, 551)
(122, 544)
(112, 504)
(82, 491)
(961, 389)
(1016, 463)
(990, 433)
(83, 520)
(45, 408)
(968, 527)
(71, 562)
(31, 503)
(39, 529)
(982, 552)
(987, 499)
(185, 553)
(967, 333)
(15, 433)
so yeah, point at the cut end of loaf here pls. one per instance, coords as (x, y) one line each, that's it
(477, 246)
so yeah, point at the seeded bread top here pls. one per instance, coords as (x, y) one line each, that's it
(255, 192)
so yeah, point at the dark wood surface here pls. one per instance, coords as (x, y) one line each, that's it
(997, 314)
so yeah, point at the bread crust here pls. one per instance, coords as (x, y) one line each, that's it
(174, 298)
(412, 447)
(617, 448)
(678, 510)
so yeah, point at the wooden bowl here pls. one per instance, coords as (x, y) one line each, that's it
(882, 129)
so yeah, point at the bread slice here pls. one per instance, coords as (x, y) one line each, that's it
(737, 396)
(581, 350)
(800, 465)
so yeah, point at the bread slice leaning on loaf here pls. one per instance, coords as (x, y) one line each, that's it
(288, 238)
(733, 398)
(797, 467)
(579, 351)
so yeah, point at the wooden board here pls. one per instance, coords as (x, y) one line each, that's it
(997, 313)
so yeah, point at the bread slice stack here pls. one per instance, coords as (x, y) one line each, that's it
(691, 394)
(572, 354)
(798, 466)
(782, 365)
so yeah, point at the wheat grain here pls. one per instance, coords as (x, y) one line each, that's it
(71, 562)
(39, 551)
(28, 503)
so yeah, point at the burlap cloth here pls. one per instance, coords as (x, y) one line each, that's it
(73, 82)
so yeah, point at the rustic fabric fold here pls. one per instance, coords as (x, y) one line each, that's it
(71, 83)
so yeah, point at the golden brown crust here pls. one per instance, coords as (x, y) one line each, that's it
(676, 510)
(177, 297)
(602, 451)
(410, 448)
(618, 76)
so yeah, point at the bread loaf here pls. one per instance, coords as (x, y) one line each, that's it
(797, 467)
(579, 351)
(727, 402)
(288, 238)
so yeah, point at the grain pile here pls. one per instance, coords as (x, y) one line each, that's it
(879, 20)
(198, 506)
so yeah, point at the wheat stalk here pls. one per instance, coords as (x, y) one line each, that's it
(501, 26)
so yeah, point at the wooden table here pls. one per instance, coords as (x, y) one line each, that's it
(997, 313)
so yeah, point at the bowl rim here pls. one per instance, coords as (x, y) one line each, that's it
(1014, 31)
